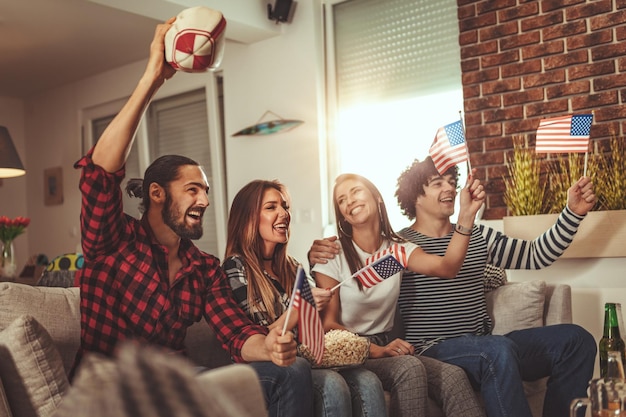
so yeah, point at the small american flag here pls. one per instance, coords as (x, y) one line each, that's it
(449, 147)
(379, 270)
(310, 329)
(564, 134)
(396, 250)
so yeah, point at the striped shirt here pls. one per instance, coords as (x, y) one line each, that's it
(435, 309)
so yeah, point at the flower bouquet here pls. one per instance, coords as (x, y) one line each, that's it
(9, 230)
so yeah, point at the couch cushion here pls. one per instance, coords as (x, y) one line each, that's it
(516, 306)
(31, 369)
(57, 309)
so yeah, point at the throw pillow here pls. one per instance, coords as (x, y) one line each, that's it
(516, 306)
(31, 368)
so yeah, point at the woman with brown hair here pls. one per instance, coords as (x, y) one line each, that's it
(262, 276)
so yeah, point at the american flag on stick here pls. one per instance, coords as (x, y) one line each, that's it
(379, 270)
(564, 134)
(449, 147)
(310, 328)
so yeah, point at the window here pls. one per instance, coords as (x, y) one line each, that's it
(176, 125)
(394, 78)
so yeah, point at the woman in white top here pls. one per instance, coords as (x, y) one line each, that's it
(364, 230)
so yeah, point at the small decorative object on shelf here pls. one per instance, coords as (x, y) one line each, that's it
(9, 230)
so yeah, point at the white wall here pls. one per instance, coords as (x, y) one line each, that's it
(278, 74)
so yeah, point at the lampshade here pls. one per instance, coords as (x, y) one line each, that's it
(10, 163)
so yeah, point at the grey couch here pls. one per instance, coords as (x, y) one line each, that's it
(513, 306)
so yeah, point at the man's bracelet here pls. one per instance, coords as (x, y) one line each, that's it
(465, 231)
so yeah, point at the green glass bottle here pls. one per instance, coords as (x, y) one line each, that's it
(611, 338)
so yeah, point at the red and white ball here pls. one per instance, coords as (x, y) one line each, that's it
(195, 42)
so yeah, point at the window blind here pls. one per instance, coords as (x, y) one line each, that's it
(394, 49)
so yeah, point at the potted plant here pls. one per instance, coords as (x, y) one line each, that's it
(536, 192)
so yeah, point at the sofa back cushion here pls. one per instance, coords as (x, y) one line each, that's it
(56, 309)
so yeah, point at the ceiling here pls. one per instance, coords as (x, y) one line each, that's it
(49, 43)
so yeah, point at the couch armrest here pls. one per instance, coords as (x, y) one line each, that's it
(238, 382)
(558, 304)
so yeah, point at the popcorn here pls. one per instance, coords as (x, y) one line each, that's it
(341, 348)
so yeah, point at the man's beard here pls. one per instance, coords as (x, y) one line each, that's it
(179, 227)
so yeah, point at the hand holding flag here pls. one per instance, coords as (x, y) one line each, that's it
(449, 147)
(310, 328)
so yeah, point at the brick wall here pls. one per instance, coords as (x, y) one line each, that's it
(522, 61)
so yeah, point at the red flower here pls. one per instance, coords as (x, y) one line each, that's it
(10, 229)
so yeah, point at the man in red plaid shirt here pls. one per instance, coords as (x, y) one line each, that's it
(145, 280)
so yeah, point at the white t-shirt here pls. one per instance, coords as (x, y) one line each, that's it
(371, 310)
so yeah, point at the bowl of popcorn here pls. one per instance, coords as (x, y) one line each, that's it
(341, 349)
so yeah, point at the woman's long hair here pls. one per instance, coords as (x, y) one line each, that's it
(245, 241)
(344, 229)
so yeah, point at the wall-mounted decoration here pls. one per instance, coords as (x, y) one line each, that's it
(269, 127)
(53, 186)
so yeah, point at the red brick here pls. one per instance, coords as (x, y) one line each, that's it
(498, 31)
(471, 91)
(568, 89)
(494, 213)
(477, 77)
(611, 113)
(522, 68)
(610, 82)
(499, 115)
(542, 21)
(528, 38)
(482, 103)
(566, 60)
(472, 119)
(544, 49)
(523, 97)
(468, 65)
(621, 64)
(516, 13)
(590, 39)
(556, 76)
(516, 127)
(497, 143)
(487, 158)
(499, 59)
(564, 30)
(620, 33)
(553, 106)
(607, 20)
(477, 22)
(592, 101)
(590, 9)
(548, 5)
(484, 131)
(608, 51)
(504, 86)
(620, 4)
(479, 49)
(591, 70)
(493, 5)
(468, 38)
(465, 11)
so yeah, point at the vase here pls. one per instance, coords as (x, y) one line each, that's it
(8, 265)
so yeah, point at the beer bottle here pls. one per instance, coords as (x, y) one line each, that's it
(611, 339)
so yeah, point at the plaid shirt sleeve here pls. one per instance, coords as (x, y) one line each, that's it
(102, 215)
(228, 320)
